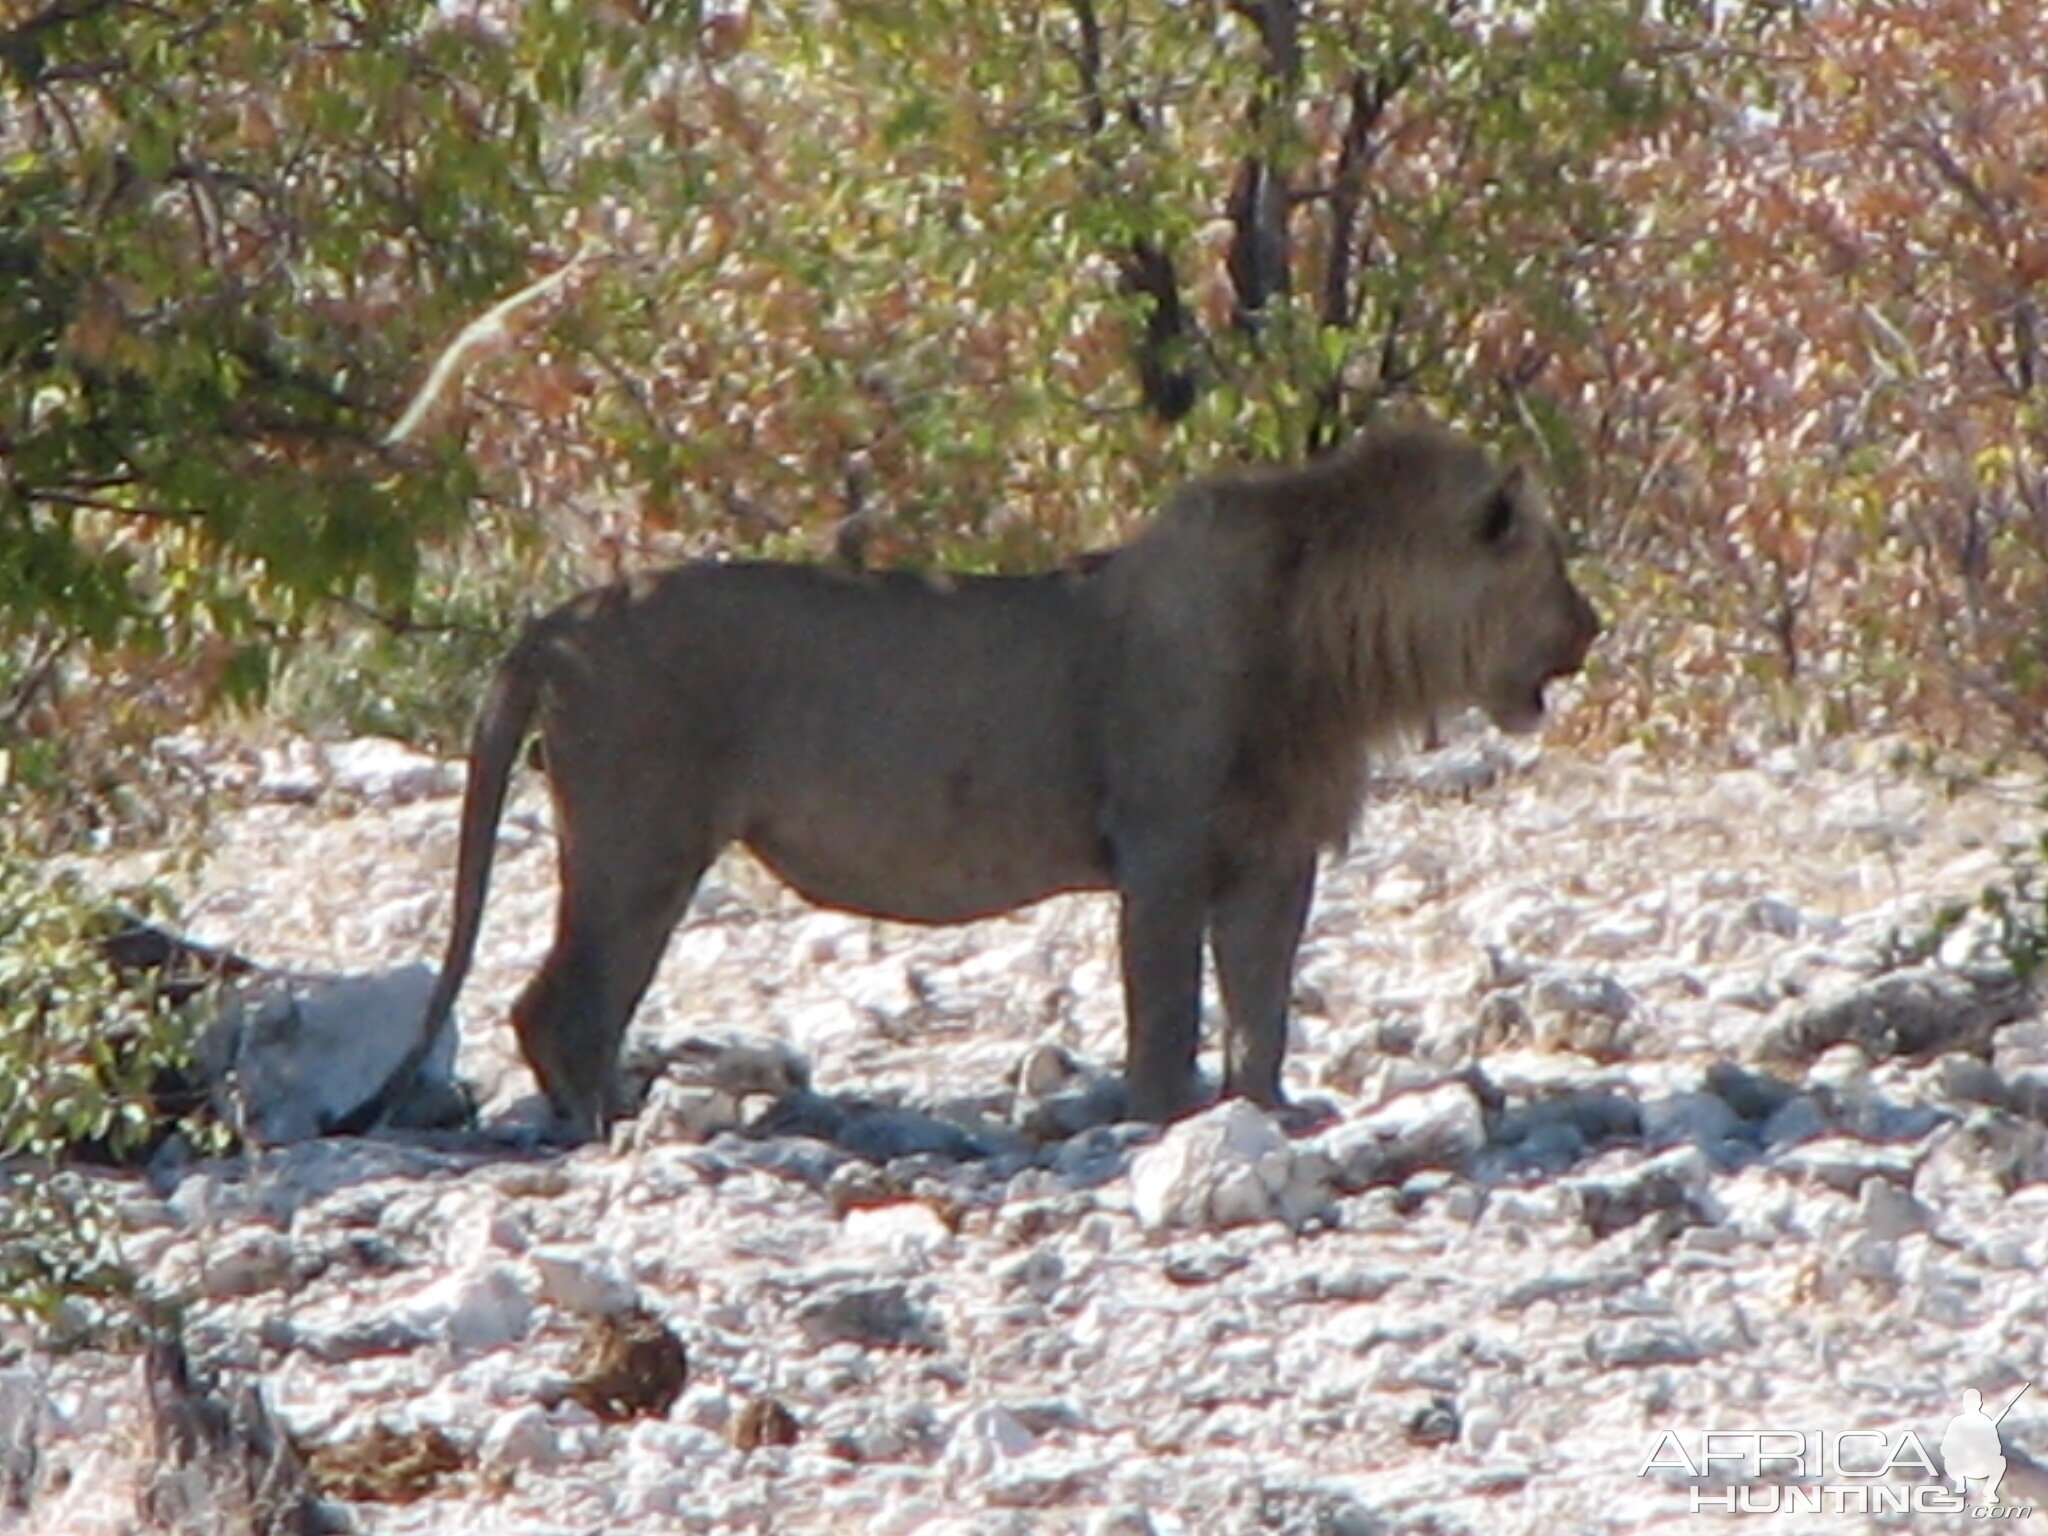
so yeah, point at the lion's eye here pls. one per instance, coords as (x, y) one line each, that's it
(1500, 517)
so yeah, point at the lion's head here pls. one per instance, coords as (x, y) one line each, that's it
(1406, 576)
(1426, 578)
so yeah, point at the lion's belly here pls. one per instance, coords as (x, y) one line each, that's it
(946, 849)
(954, 893)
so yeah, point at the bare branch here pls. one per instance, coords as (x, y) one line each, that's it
(1260, 259)
(489, 332)
(1145, 267)
(1926, 143)
(401, 623)
(1095, 109)
(85, 502)
(38, 680)
(1163, 372)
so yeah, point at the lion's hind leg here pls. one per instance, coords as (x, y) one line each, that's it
(609, 937)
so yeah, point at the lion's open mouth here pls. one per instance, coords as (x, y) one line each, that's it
(1520, 711)
(1520, 707)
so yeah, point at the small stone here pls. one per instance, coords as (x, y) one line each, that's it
(685, 1114)
(2020, 1047)
(1675, 1185)
(1618, 938)
(292, 774)
(1799, 1118)
(706, 1406)
(867, 1433)
(1584, 1011)
(1464, 1202)
(580, 1280)
(1887, 1210)
(1502, 1023)
(1980, 1162)
(1866, 1256)
(246, 1263)
(1502, 968)
(525, 1438)
(827, 1027)
(362, 1338)
(1710, 1239)
(2027, 1093)
(663, 1476)
(1202, 1265)
(381, 772)
(1918, 1011)
(1097, 1155)
(386, 1465)
(1842, 1070)
(1432, 1127)
(1047, 1068)
(478, 1309)
(630, 1365)
(21, 1414)
(885, 1133)
(1046, 1416)
(1122, 1520)
(1769, 914)
(1641, 1342)
(1587, 992)
(1844, 1162)
(1697, 1117)
(1752, 1095)
(860, 1185)
(1482, 1426)
(796, 1156)
(875, 1315)
(1964, 1079)
(1094, 1100)
(901, 1225)
(1435, 1422)
(1460, 770)
(739, 1066)
(764, 1421)
(983, 1439)
(1546, 1145)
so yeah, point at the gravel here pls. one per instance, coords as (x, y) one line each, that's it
(1621, 1111)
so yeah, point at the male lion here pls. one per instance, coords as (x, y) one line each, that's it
(1183, 720)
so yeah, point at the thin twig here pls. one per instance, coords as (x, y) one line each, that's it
(38, 678)
(123, 508)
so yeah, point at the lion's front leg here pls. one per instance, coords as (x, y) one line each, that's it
(1254, 929)
(1161, 939)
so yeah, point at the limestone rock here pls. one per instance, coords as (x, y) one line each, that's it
(1435, 1127)
(581, 1279)
(287, 1059)
(1919, 1011)
(1225, 1167)
(867, 1314)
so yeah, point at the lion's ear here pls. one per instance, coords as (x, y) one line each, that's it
(1502, 511)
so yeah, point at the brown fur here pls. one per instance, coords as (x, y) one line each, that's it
(1183, 720)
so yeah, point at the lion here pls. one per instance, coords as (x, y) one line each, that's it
(1184, 720)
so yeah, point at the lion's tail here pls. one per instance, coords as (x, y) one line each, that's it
(493, 747)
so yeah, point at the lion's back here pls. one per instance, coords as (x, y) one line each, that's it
(868, 733)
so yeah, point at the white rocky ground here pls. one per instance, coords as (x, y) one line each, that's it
(1630, 1135)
